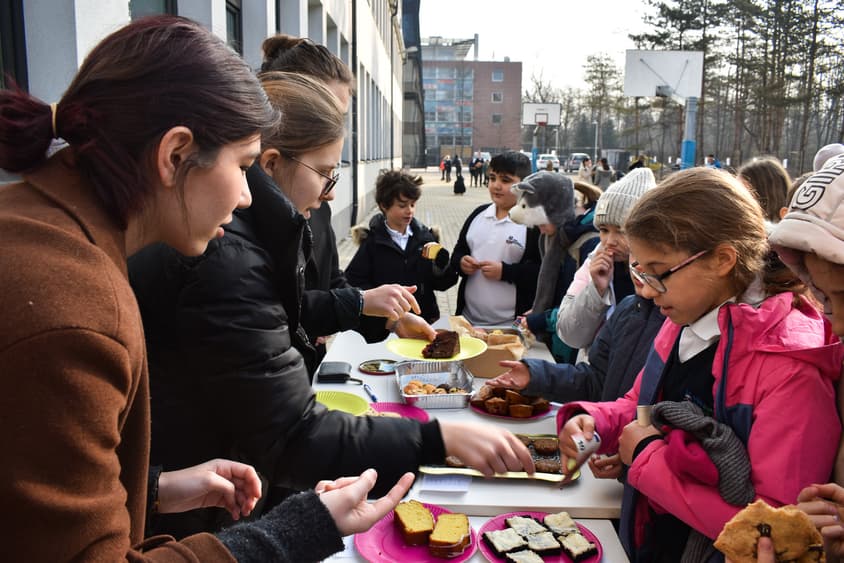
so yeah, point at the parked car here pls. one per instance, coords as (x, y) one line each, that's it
(542, 162)
(574, 160)
(486, 156)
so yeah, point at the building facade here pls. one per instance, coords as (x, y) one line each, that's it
(470, 105)
(43, 43)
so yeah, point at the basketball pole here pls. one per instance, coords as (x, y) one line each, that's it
(688, 148)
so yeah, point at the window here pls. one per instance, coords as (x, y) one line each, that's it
(141, 8)
(12, 49)
(496, 119)
(497, 97)
(498, 76)
(234, 25)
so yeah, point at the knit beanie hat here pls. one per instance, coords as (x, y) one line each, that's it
(615, 203)
(815, 219)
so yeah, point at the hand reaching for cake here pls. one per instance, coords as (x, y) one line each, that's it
(345, 499)
(517, 378)
(390, 301)
(488, 449)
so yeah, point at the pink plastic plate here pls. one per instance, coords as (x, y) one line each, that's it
(406, 411)
(383, 542)
(479, 410)
(498, 523)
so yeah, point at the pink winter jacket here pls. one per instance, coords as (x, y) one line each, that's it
(778, 396)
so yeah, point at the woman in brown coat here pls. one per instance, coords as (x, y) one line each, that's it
(162, 120)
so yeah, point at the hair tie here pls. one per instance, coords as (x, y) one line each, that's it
(53, 112)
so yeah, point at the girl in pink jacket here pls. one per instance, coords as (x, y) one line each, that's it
(741, 374)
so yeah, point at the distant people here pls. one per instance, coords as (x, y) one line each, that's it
(769, 181)
(459, 185)
(585, 171)
(486, 172)
(442, 169)
(447, 165)
(391, 247)
(458, 165)
(476, 169)
(549, 166)
(603, 174)
(497, 259)
(712, 162)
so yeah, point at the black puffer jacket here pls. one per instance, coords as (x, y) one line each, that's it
(379, 260)
(227, 378)
(616, 357)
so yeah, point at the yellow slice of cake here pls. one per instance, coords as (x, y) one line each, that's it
(451, 535)
(414, 521)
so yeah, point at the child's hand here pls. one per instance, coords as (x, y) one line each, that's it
(601, 270)
(491, 270)
(605, 467)
(469, 265)
(517, 378)
(630, 437)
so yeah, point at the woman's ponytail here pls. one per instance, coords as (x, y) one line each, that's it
(26, 130)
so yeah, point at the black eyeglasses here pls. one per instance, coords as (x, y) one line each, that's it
(330, 181)
(655, 281)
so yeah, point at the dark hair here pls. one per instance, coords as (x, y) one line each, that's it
(770, 182)
(511, 162)
(312, 119)
(393, 184)
(605, 163)
(135, 85)
(673, 213)
(300, 54)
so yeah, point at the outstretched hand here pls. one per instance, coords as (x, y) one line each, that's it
(486, 448)
(219, 482)
(390, 301)
(517, 377)
(345, 499)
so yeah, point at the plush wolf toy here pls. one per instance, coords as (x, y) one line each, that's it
(546, 198)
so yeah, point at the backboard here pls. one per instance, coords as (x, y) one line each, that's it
(536, 114)
(663, 73)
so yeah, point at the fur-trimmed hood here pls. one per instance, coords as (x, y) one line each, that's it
(361, 231)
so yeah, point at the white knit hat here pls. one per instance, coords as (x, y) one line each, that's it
(615, 203)
(815, 219)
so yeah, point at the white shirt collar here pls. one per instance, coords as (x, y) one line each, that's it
(701, 334)
(400, 238)
(489, 213)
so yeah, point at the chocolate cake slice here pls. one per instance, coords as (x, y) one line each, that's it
(445, 345)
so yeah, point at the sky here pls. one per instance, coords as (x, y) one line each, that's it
(550, 37)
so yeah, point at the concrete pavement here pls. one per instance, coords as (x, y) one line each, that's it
(439, 207)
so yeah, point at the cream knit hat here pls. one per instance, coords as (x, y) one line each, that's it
(815, 219)
(615, 203)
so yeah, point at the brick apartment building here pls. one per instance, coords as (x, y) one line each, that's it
(470, 105)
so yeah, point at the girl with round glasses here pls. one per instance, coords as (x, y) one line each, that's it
(739, 382)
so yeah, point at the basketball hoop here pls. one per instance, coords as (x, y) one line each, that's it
(542, 123)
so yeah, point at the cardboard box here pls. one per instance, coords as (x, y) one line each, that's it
(486, 364)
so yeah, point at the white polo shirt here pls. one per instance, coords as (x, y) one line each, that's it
(492, 302)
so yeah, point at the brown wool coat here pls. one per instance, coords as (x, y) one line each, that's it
(74, 390)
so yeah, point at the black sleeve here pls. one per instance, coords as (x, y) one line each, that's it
(327, 312)
(526, 271)
(461, 249)
(254, 385)
(299, 529)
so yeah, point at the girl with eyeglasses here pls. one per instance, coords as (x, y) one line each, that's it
(228, 352)
(738, 384)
